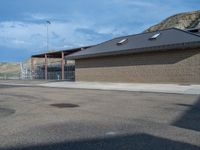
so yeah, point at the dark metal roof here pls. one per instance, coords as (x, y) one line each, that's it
(57, 54)
(194, 30)
(168, 39)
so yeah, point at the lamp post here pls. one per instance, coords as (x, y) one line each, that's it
(48, 23)
(46, 61)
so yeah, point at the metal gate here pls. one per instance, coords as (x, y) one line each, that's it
(54, 72)
(70, 72)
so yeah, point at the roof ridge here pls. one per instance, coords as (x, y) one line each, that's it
(145, 32)
(188, 32)
(158, 31)
(134, 35)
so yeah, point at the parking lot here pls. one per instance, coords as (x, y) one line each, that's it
(46, 118)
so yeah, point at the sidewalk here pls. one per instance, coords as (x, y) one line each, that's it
(136, 87)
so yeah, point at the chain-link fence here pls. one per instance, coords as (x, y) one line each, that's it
(55, 73)
(10, 76)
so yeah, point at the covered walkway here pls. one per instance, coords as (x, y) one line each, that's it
(60, 55)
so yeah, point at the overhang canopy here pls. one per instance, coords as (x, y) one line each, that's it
(58, 54)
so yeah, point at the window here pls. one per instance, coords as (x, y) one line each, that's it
(154, 36)
(123, 41)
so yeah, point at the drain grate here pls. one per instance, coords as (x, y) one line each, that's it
(64, 105)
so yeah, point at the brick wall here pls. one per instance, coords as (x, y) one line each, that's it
(177, 66)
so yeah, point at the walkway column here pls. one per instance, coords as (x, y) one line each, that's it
(46, 67)
(63, 66)
(32, 68)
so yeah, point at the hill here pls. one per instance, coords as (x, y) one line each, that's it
(185, 20)
(8, 70)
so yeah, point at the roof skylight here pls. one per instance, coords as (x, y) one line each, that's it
(154, 36)
(123, 41)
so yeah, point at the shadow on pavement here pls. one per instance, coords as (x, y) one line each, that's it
(7, 86)
(136, 142)
(191, 118)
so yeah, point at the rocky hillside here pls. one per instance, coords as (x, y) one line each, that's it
(182, 21)
(9, 70)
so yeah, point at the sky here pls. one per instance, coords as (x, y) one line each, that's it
(75, 23)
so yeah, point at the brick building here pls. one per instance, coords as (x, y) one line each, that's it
(166, 56)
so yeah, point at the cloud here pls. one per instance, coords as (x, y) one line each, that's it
(88, 35)
(32, 36)
(78, 23)
(37, 16)
(42, 17)
(134, 3)
(19, 34)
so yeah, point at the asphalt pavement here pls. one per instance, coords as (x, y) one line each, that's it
(46, 118)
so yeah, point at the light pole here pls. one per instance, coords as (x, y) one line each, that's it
(46, 61)
(48, 23)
